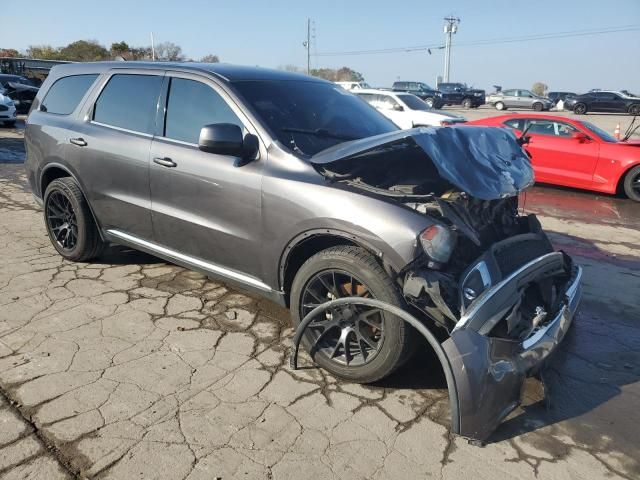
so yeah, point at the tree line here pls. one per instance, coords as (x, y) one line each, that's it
(91, 51)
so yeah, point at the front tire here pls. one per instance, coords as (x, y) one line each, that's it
(631, 183)
(429, 102)
(70, 224)
(10, 124)
(580, 109)
(351, 271)
(500, 106)
(538, 107)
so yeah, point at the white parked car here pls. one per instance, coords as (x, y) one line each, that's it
(7, 111)
(353, 85)
(406, 110)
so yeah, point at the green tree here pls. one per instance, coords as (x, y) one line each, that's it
(9, 52)
(120, 48)
(539, 88)
(84, 51)
(46, 52)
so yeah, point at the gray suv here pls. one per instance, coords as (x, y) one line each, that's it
(293, 188)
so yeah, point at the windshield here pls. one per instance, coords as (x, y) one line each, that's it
(309, 117)
(413, 102)
(599, 132)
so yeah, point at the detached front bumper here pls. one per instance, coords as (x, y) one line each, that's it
(489, 371)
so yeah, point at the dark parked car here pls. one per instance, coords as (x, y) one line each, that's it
(460, 94)
(20, 90)
(289, 187)
(432, 97)
(603, 101)
(555, 97)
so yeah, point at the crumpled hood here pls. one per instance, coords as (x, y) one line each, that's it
(485, 162)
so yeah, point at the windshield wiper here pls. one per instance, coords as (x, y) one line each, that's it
(318, 132)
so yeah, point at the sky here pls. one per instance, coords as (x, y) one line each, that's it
(270, 34)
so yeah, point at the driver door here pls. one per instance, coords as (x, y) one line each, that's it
(559, 158)
(201, 204)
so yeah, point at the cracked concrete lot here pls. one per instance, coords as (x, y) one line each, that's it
(133, 368)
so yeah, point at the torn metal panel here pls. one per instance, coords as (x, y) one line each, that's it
(485, 374)
(487, 163)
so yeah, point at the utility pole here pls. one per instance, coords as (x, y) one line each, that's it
(307, 44)
(450, 27)
(153, 49)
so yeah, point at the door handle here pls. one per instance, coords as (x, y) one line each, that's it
(165, 162)
(78, 141)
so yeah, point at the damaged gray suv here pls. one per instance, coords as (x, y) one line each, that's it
(293, 188)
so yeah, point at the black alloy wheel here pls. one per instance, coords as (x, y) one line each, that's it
(62, 221)
(351, 335)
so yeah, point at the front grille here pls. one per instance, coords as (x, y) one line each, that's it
(512, 255)
(3, 108)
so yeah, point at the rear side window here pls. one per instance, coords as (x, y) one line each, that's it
(129, 101)
(65, 94)
(191, 106)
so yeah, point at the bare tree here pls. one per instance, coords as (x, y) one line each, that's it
(210, 58)
(539, 88)
(169, 51)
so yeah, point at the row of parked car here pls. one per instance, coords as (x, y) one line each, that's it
(613, 101)
(16, 96)
(564, 152)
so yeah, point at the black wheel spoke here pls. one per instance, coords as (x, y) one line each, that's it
(61, 220)
(350, 335)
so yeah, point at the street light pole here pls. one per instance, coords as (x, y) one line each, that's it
(307, 45)
(450, 27)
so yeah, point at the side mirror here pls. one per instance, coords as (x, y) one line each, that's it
(398, 108)
(227, 139)
(580, 137)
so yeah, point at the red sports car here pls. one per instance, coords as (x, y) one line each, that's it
(575, 153)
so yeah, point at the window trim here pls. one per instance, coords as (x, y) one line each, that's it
(80, 102)
(109, 75)
(160, 129)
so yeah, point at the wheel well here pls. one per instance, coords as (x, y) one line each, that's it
(304, 250)
(49, 176)
(620, 186)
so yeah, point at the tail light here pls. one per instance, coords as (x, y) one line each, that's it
(438, 242)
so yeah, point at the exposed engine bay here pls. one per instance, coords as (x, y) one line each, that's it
(484, 274)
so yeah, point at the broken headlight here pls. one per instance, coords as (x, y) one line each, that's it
(438, 242)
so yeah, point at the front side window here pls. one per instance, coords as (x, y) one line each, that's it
(509, 93)
(129, 102)
(386, 102)
(65, 94)
(517, 123)
(550, 128)
(191, 106)
(310, 116)
(413, 102)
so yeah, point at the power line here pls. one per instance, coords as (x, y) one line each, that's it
(491, 41)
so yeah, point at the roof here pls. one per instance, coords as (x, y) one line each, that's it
(224, 71)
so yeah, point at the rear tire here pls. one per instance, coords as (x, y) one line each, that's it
(579, 109)
(396, 343)
(631, 183)
(634, 109)
(466, 103)
(500, 106)
(10, 124)
(69, 221)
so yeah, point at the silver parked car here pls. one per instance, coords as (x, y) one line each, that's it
(515, 98)
(299, 191)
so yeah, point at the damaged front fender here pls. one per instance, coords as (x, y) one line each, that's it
(485, 374)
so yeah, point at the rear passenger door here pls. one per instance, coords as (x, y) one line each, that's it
(110, 149)
(202, 205)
